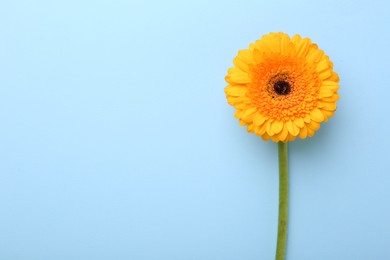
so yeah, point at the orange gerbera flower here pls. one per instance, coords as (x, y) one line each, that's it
(282, 87)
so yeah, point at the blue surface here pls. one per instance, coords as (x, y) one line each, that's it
(116, 141)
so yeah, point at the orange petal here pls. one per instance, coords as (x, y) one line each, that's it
(236, 75)
(301, 45)
(324, 66)
(314, 55)
(332, 98)
(307, 119)
(283, 134)
(262, 129)
(334, 77)
(331, 85)
(235, 91)
(327, 105)
(325, 74)
(314, 125)
(324, 92)
(299, 122)
(245, 56)
(238, 113)
(265, 137)
(291, 137)
(258, 119)
(248, 114)
(310, 132)
(303, 132)
(328, 113)
(277, 126)
(258, 56)
(317, 115)
(270, 132)
(292, 128)
(239, 63)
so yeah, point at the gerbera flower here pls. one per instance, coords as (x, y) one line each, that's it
(282, 87)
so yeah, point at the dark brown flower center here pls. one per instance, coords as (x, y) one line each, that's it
(282, 87)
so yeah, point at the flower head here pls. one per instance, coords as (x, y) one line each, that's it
(282, 87)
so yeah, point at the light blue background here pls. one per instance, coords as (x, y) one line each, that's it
(116, 141)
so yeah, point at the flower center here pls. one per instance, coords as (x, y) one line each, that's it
(282, 88)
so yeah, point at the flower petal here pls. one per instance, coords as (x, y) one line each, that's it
(249, 113)
(327, 105)
(293, 129)
(334, 77)
(332, 98)
(317, 115)
(307, 118)
(235, 91)
(245, 56)
(258, 119)
(310, 132)
(236, 75)
(269, 129)
(277, 126)
(314, 125)
(301, 45)
(330, 85)
(303, 132)
(291, 137)
(324, 92)
(283, 134)
(328, 113)
(299, 122)
(262, 129)
(265, 137)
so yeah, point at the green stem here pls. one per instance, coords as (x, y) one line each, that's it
(283, 201)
